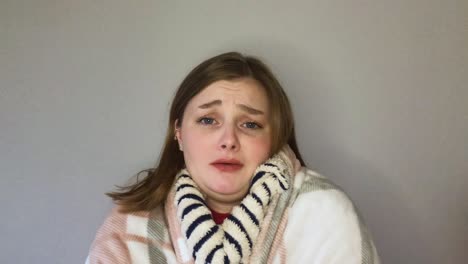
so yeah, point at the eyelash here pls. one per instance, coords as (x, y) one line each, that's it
(203, 119)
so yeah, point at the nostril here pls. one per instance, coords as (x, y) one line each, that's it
(224, 146)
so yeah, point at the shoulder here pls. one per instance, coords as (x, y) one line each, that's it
(125, 237)
(120, 224)
(317, 190)
(323, 221)
(307, 180)
(317, 194)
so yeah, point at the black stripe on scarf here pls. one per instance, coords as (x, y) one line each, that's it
(209, 258)
(250, 214)
(270, 165)
(198, 221)
(284, 179)
(202, 241)
(184, 185)
(257, 177)
(279, 181)
(265, 186)
(241, 227)
(184, 176)
(191, 196)
(189, 208)
(257, 199)
(231, 240)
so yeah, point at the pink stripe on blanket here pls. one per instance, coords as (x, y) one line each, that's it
(175, 232)
(278, 243)
(258, 249)
(109, 245)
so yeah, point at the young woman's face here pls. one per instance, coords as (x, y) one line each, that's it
(225, 135)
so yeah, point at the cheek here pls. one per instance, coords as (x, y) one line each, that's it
(259, 149)
(193, 141)
(196, 145)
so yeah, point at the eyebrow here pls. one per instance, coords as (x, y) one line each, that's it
(244, 107)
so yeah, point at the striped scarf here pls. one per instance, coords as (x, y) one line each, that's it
(232, 241)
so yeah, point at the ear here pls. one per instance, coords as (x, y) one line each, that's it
(177, 129)
(177, 133)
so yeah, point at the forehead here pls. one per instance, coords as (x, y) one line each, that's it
(242, 91)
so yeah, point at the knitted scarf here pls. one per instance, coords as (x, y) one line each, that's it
(232, 241)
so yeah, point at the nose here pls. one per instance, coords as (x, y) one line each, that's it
(229, 140)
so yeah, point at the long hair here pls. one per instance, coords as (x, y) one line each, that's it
(153, 189)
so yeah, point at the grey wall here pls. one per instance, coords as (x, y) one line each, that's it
(379, 91)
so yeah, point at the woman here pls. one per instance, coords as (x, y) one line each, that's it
(229, 186)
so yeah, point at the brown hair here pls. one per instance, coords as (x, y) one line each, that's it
(152, 191)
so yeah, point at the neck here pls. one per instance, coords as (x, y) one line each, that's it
(220, 207)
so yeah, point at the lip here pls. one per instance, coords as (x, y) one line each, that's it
(227, 165)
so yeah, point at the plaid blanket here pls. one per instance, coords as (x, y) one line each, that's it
(313, 222)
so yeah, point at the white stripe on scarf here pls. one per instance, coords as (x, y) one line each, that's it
(232, 241)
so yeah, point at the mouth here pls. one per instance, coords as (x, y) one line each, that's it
(227, 165)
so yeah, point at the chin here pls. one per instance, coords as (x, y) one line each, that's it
(227, 189)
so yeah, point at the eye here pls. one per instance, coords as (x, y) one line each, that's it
(252, 125)
(206, 121)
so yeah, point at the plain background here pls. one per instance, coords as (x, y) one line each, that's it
(379, 91)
